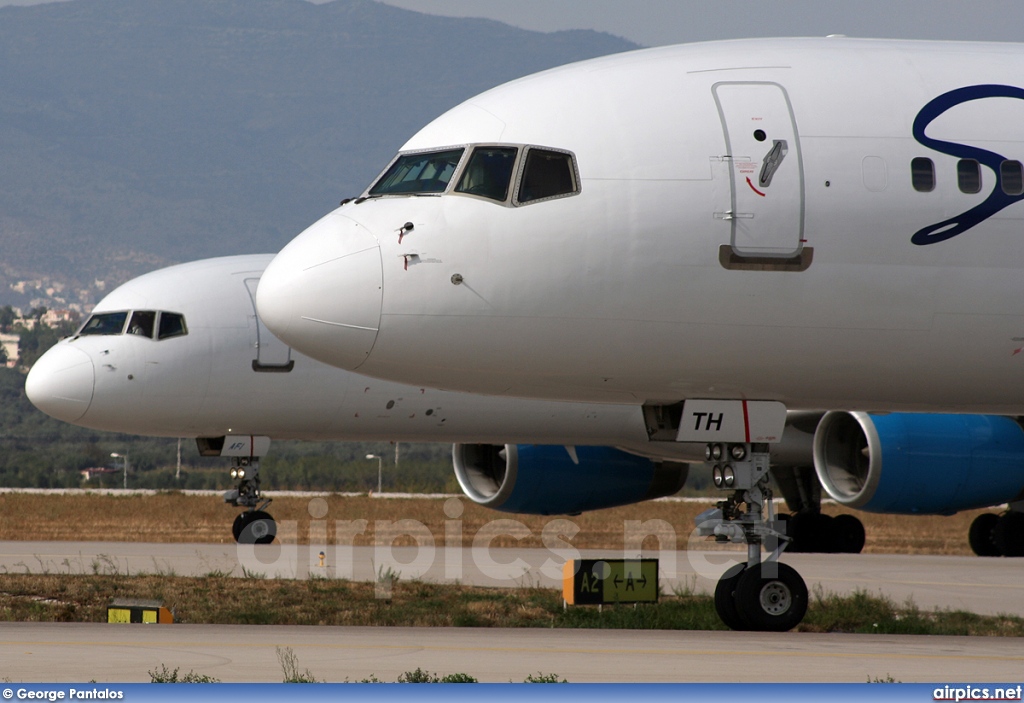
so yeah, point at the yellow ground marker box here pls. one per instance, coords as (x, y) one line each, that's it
(607, 581)
(146, 612)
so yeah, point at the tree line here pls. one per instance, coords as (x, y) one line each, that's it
(37, 451)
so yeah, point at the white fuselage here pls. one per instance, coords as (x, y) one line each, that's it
(205, 383)
(674, 272)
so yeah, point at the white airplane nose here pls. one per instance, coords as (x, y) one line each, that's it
(61, 383)
(322, 294)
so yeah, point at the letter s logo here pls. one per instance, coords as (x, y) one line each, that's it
(997, 199)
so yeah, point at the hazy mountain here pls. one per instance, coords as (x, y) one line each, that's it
(136, 133)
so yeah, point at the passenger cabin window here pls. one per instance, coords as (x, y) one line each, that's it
(1011, 175)
(142, 323)
(172, 324)
(547, 174)
(488, 173)
(922, 174)
(105, 323)
(425, 172)
(968, 176)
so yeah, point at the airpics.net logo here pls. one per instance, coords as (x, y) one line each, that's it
(408, 549)
(977, 693)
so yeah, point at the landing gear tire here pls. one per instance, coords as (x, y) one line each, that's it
(771, 603)
(254, 527)
(811, 532)
(824, 534)
(725, 598)
(238, 525)
(1008, 534)
(847, 534)
(982, 535)
(783, 526)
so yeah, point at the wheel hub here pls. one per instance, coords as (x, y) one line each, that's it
(776, 598)
(260, 529)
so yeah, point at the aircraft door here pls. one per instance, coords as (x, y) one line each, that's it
(271, 353)
(766, 211)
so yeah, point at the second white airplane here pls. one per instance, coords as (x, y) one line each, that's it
(180, 352)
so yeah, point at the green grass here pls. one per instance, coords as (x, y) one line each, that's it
(165, 675)
(290, 670)
(290, 666)
(421, 676)
(864, 613)
(218, 600)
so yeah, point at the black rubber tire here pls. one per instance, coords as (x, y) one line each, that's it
(725, 598)
(238, 525)
(847, 534)
(773, 604)
(1009, 534)
(259, 528)
(982, 535)
(812, 532)
(782, 525)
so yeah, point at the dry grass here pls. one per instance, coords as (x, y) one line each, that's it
(174, 517)
(221, 600)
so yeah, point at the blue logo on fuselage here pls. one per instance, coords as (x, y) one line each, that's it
(997, 199)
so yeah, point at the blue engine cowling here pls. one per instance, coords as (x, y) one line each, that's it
(555, 480)
(917, 463)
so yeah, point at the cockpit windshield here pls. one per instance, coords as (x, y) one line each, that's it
(143, 324)
(172, 324)
(488, 172)
(105, 323)
(425, 172)
(511, 175)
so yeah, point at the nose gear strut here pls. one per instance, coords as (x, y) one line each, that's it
(253, 525)
(758, 595)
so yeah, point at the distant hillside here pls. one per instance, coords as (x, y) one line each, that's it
(136, 133)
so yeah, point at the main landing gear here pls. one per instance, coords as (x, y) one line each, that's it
(809, 529)
(757, 595)
(1002, 535)
(253, 525)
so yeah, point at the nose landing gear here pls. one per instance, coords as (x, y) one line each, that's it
(757, 595)
(253, 525)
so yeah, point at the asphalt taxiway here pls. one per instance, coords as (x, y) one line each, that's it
(49, 652)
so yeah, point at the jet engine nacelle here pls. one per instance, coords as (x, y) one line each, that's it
(919, 463)
(555, 480)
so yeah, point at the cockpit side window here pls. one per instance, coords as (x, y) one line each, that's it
(105, 323)
(547, 174)
(172, 324)
(423, 172)
(488, 173)
(142, 323)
